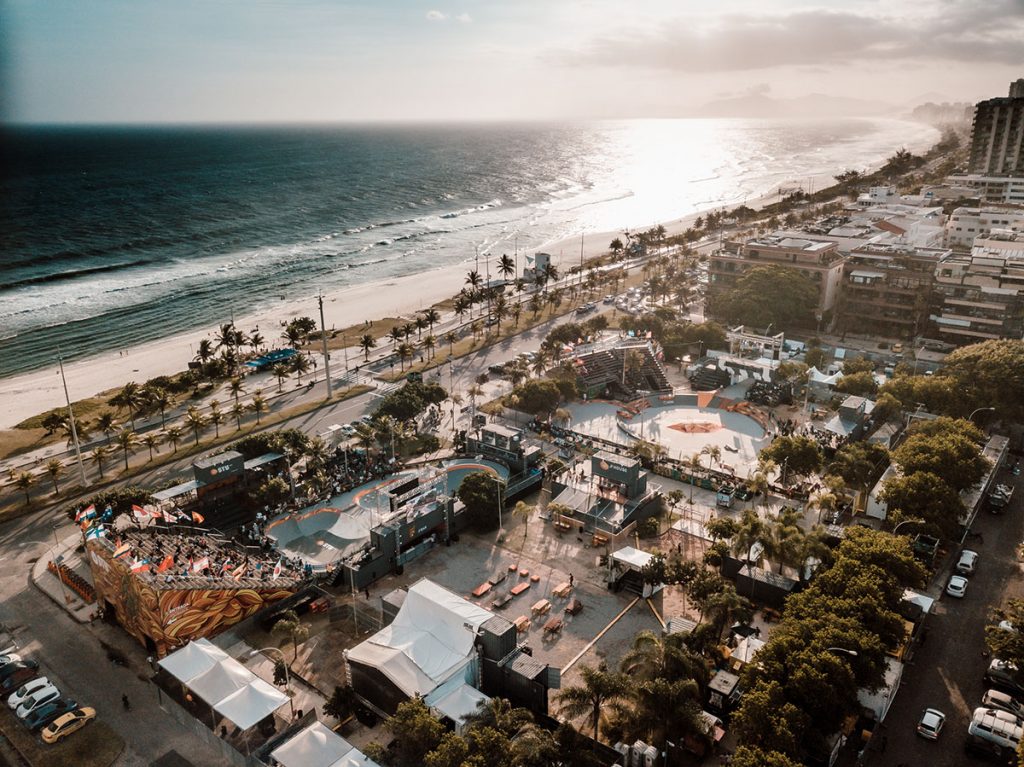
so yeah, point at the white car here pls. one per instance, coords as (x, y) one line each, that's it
(967, 563)
(38, 698)
(11, 658)
(957, 586)
(19, 697)
(931, 723)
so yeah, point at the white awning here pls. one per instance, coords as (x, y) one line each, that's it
(315, 746)
(253, 703)
(193, 659)
(459, 703)
(221, 680)
(632, 558)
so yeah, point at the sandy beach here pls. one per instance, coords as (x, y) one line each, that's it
(25, 395)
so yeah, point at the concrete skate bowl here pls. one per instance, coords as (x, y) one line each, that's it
(461, 468)
(681, 425)
(322, 535)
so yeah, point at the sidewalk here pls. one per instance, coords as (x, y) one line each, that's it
(50, 584)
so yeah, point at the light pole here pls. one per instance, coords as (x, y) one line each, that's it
(843, 650)
(287, 675)
(499, 483)
(907, 522)
(980, 410)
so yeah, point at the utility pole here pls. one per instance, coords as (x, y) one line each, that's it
(323, 334)
(71, 417)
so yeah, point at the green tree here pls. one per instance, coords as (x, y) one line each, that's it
(654, 656)
(524, 511)
(538, 397)
(767, 721)
(195, 420)
(100, 453)
(953, 456)
(1008, 643)
(151, 440)
(258, 406)
(24, 481)
(747, 756)
(415, 733)
(861, 384)
(271, 492)
(280, 371)
(924, 495)
(55, 468)
(130, 398)
(989, 374)
(859, 464)
(481, 494)
(770, 295)
(799, 455)
(127, 439)
(597, 688)
(342, 703)
(367, 342)
(292, 629)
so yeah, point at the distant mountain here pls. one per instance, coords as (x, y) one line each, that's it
(811, 105)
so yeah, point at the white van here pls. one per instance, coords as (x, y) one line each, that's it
(1002, 701)
(996, 726)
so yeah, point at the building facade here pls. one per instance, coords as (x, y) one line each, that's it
(965, 224)
(997, 138)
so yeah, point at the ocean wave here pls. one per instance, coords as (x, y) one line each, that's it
(74, 274)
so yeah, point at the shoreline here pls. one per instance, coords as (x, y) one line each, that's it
(27, 394)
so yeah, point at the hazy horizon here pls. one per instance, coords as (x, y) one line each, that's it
(321, 62)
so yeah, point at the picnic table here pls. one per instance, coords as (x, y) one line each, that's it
(554, 625)
(499, 578)
(482, 589)
(524, 572)
(562, 590)
(522, 624)
(574, 607)
(501, 601)
(519, 588)
(540, 607)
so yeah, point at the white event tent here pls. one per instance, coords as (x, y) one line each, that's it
(318, 746)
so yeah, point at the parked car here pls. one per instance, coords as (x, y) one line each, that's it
(40, 697)
(6, 660)
(967, 563)
(1002, 675)
(18, 665)
(957, 586)
(930, 725)
(45, 714)
(22, 693)
(1002, 701)
(68, 723)
(996, 726)
(18, 678)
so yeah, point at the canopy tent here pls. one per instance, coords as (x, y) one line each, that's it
(817, 377)
(430, 639)
(458, 703)
(193, 659)
(315, 746)
(632, 558)
(746, 649)
(254, 702)
(221, 680)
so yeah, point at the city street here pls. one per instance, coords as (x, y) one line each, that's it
(946, 673)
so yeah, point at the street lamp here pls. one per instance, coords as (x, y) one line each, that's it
(914, 521)
(843, 650)
(287, 675)
(979, 410)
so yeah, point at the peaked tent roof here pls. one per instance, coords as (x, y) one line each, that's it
(459, 703)
(315, 746)
(192, 660)
(254, 702)
(431, 637)
(221, 680)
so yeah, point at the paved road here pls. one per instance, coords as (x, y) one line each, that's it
(947, 672)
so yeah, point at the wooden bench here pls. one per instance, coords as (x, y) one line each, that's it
(562, 590)
(482, 589)
(563, 525)
(540, 607)
(599, 540)
(524, 573)
(522, 624)
(501, 601)
(499, 578)
(519, 588)
(554, 625)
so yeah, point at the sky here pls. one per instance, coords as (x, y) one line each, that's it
(155, 61)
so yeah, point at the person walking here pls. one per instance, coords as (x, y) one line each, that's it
(126, 703)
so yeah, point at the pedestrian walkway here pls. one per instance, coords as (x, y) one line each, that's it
(48, 582)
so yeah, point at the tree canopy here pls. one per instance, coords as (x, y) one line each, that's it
(800, 455)
(990, 374)
(945, 448)
(925, 496)
(480, 492)
(770, 295)
(411, 400)
(538, 397)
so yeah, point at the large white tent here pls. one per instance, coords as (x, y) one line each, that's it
(319, 746)
(430, 639)
(220, 681)
(193, 659)
(457, 703)
(254, 702)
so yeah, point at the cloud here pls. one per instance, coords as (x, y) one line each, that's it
(962, 30)
(464, 18)
(435, 16)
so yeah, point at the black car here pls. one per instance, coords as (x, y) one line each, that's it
(989, 751)
(46, 713)
(18, 678)
(12, 668)
(1003, 676)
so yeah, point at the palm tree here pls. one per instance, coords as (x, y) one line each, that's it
(549, 274)
(366, 343)
(255, 341)
(226, 336)
(421, 323)
(450, 338)
(55, 467)
(281, 372)
(474, 280)
(500, 715)
(99, 455)
(293, 629)
(524, 510)
(405, 352)
(82, 428)
(173, 435)
(204, 353)
(24, 481)
(659, 707)
(517, 312)
(714, 454)
(536, 304)
(126, 440)
(506, 266)
(238, 410)
(395, 334)
(666, 656)
(293, 335)
(236, 386)
(152, 441)
(258, 406)
(129, 398)
(598, 687)
(461, 305)
(751, 531)
(300, 365)
(195, 420)
(216, 417)
(500, 310)
(540, 362)
(432, 316)
(106, 423)
(429, 343)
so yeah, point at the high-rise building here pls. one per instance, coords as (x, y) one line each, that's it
(997, 141)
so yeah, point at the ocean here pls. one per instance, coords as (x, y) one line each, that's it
(111, 237)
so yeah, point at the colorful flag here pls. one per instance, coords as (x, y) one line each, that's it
(121, 550)
(226, 567)
(95, 532)
(140, 566)
(166, 564)
(200, 564)
(239, 572)
(87, 513)
(198, 518)
(277, 568)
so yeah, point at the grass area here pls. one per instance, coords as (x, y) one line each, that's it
(95, 745)
(84, 409)
(13, 504)
(19, 440)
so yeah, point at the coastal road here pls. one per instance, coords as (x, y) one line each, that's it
(946, 673)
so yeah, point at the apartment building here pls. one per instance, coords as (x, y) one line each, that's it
(888, 289)
(997, 137)
(965, 224)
